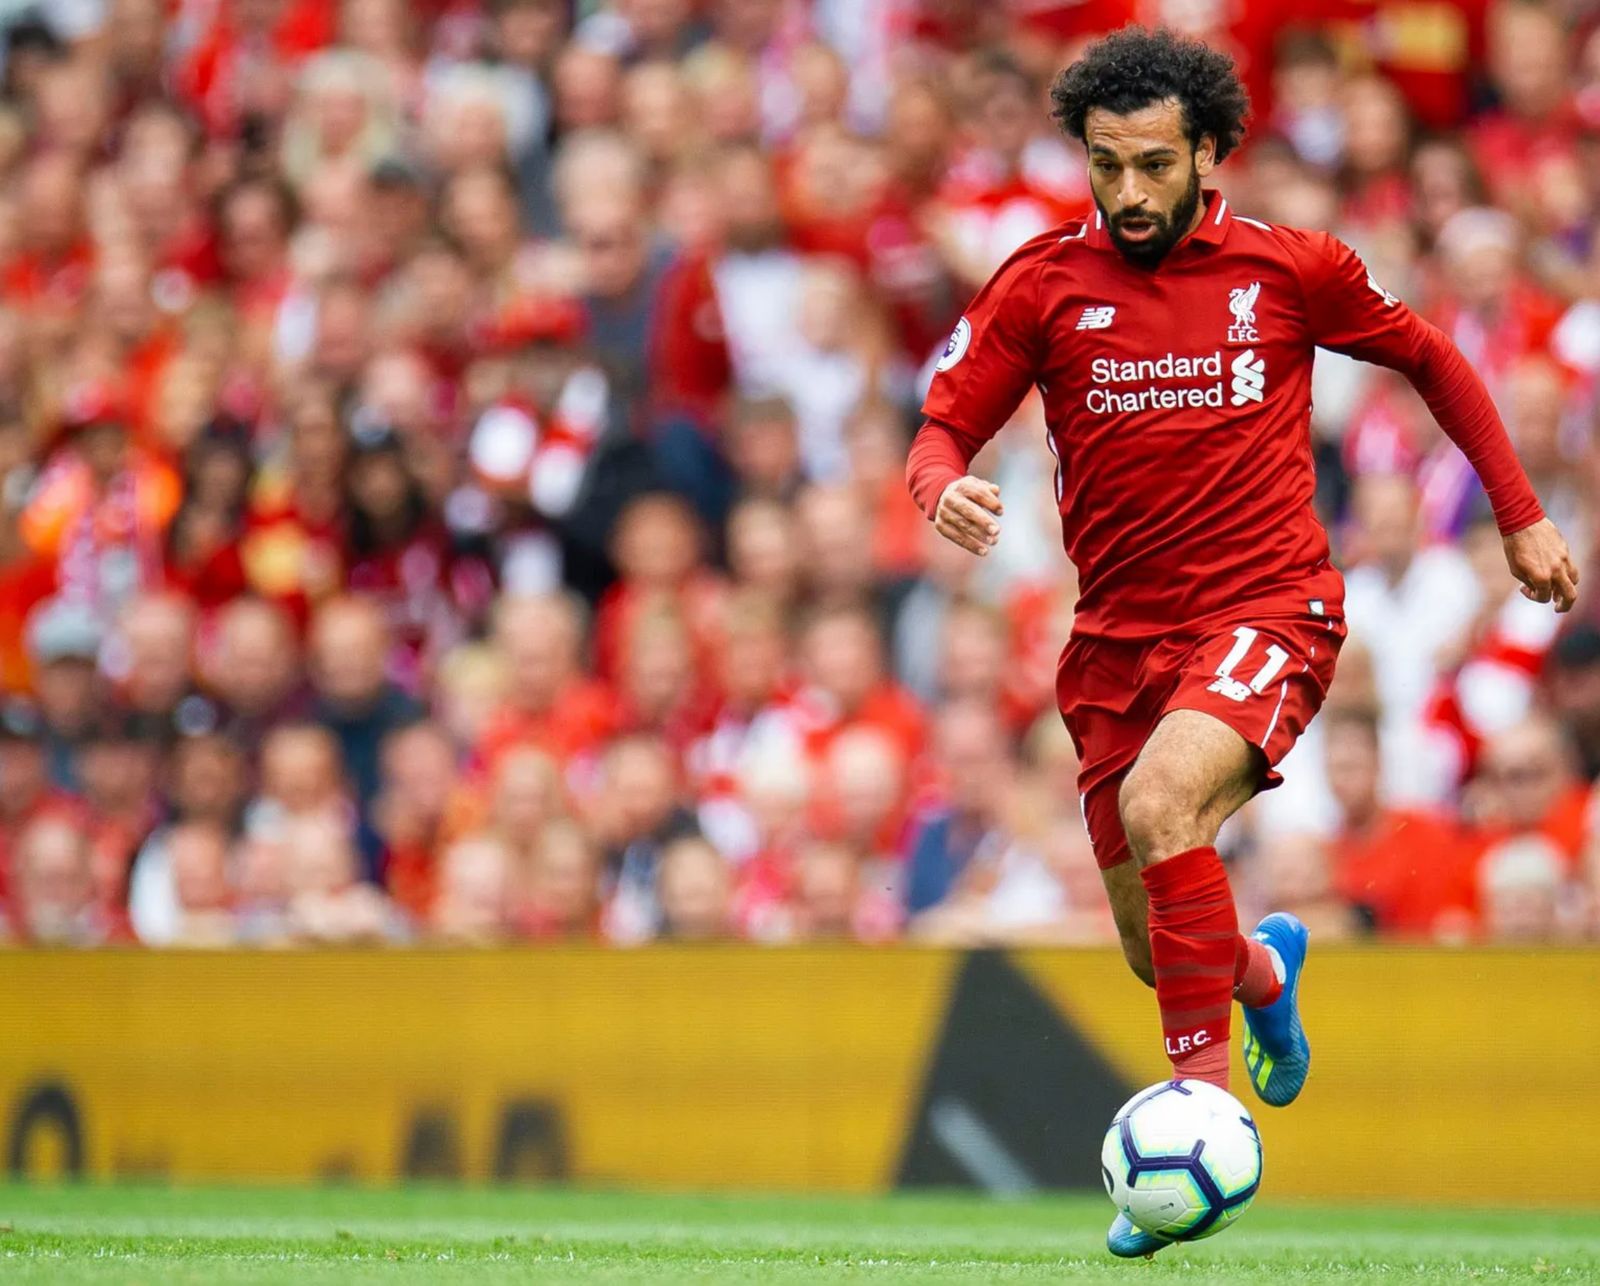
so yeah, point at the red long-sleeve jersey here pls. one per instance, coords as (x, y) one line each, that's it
(1178, 404)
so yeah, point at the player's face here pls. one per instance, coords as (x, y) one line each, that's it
(1146, 177)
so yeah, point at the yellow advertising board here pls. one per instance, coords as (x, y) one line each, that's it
(1443, 1075)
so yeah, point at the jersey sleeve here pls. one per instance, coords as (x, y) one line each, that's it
(988, 365)
(1349, 312)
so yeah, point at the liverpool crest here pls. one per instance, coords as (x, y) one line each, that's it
(1242, 304)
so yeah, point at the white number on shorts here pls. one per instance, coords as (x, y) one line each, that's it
(1244, 638)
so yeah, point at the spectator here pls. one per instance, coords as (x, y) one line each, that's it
(659, 690)
(474, 902)
(621, 266)
(1405, 871)
(1529, 785)
(252, 668)
(836, 546)
(409, 813)
(974, 762)
(64, 642)
(1529, 64)
(350, 644)
(549, 701)
(1015, 182)
(657, 551)
(182, 895)
(763, 550)
(154, 635)
(637, 813)
(1412, 604)
(1522, 883)
(694, 892)
(755, 282)
(763, 448)
(302, 776)
(1038, 883)
(1492, 675)
(559, 887)
(1294, 873)
(862, 793)
(836, 900)
(206, 780)
(935, 617)
(56, 902)
(1574, 692)
(327, 901)
(847, 686)
(471, 686)
(118, 763)
(25, 771)
(756, 710)
(401, 556)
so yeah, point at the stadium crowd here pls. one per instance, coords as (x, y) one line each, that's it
(451, 471)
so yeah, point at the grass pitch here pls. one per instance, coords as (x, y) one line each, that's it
(91, 1234)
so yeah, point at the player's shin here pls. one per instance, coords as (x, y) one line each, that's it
(1194, 934)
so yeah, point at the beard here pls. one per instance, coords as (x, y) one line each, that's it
(1169, 228)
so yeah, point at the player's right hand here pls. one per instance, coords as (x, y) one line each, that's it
(1539, 558)
(967, 514)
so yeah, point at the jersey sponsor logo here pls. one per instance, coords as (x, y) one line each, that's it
(955, 347)
(1109, 370)
(1389, 301)
(1242, 304)
(1149, 371)
(1249, 377)
(1096, 317)
(1249, 382)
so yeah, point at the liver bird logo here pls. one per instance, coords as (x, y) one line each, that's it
(1242, 304)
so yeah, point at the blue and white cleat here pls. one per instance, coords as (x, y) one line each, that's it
(1127, 1240)
(1276, 1052)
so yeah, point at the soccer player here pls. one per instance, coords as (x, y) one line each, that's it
(1171, 339)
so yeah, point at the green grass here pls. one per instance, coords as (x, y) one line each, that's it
(67, 1235)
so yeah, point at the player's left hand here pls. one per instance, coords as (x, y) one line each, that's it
(1539, 558)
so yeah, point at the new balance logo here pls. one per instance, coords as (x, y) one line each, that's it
(1249, 377)
(1096, 318)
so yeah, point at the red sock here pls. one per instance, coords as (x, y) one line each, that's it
(1255, 981)
(1194, 945)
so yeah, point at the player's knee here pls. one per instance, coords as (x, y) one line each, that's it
(1157, 822)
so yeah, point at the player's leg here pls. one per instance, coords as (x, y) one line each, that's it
(1130, 908)
(1119, 873)
(1192, 775)
(1110, 715)
(1241, 702)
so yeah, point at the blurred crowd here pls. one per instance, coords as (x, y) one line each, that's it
(451, 467)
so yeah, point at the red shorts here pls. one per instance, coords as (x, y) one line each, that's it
(1266, 680)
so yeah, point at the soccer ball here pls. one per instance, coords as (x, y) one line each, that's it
(1182, 1159)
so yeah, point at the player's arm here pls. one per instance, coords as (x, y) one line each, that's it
(1350, 313)
(989, 363)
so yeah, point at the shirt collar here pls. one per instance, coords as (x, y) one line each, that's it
(1214, 223)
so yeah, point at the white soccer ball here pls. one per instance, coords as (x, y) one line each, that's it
(1182, 1159)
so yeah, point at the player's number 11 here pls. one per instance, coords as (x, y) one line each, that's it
(1244, 638)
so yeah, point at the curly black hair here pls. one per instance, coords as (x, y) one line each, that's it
(1136, 66)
